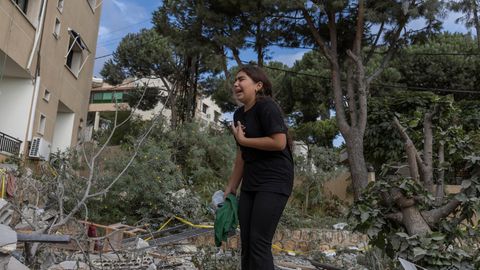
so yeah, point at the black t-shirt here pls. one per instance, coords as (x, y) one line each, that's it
(265, 170)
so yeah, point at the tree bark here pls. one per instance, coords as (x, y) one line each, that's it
(410, 150)
(353, 133)
(433, 216)
(476, 21)
(356, 160)
(411, 216)
(428, 152)
(440, 193)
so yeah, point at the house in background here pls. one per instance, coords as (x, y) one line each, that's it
(106, 99)
(47, 50)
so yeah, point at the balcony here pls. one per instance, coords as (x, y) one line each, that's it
(9, 145)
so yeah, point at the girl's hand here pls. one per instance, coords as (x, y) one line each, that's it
(238, 132)
(227, 191)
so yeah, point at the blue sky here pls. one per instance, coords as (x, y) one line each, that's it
(120, 17)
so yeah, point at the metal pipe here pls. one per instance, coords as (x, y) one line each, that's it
(43, 238)
(37, 33)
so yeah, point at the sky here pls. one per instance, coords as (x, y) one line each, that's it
(120, 17)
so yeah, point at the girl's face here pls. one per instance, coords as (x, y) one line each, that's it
(245, 89)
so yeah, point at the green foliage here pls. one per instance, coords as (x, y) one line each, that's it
(452, 126)
(311, 171)
(423, 65)
(122, 133)
(175, 173)
(143, 98)
(304, 97)
(140, 55)
(319, 133)
(450, 243)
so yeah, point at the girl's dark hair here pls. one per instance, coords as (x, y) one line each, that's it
(257, 74)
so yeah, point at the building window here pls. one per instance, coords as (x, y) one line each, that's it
(22, 4)
(204, 108)
(56, 29)
(106, 97)
(46, 95)
(41, 124)
(60, 5)
(77, 53)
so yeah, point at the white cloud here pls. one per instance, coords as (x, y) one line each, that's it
(103, 31)
(121, 6)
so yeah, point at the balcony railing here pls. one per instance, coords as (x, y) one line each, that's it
(9, 145)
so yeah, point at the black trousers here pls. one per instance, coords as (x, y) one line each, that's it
(259, 214)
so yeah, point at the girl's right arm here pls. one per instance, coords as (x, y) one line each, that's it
(236, 176)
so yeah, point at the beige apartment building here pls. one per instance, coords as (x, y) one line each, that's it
(105, 99)
(47, 51)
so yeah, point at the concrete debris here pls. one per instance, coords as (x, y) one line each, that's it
(152, 266)
(9, 167)
(5, 212)
(187, 249)
(340, 226)
(70, 265)
(8, 239)
(37, 216)
(141, 244)
(122, 263)
(15, 264)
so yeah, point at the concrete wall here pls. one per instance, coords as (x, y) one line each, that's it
(65, 87)
(17, 32)
(15, 99)
(17, 35)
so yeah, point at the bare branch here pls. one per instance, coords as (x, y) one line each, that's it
(375, 43)
(326, 50)
(390, 52)
(409, 149)
(86, 193)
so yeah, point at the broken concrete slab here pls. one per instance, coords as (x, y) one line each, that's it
(141, 244)
(15, 264)
(70, 265)
(8, 239)
(5, 212)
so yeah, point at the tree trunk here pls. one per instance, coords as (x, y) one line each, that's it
(307, 193)
(414, 222)
(356, 160)
(440, 193)
(428, 152)
(174, 108)
(411, 217)
(476, 21)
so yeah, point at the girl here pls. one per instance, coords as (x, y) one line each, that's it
(263, 165)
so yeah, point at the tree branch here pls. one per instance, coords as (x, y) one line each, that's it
(432, 217)
(316, 35)
(375, 43)
(410, 150)
(390, 52)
